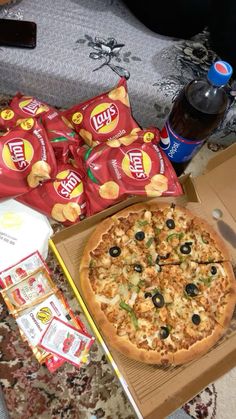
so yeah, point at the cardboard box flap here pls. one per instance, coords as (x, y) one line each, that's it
(221, 176)
(157, 391)
(221, 158)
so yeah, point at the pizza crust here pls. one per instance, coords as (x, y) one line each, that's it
(94, 241)
(121, 343)
(199, 348)
(226, 316)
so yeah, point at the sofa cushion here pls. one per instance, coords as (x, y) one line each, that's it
(84, 46)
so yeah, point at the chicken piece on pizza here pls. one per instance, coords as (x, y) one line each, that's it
(189, 328)
(205, 244)
(180, 236)
(213, 287)
(170, 224)
(125, 238)
(119, 299)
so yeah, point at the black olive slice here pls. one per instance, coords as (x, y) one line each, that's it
(140, 235)
(138, 268)
(191, 290)
(196, 319)
(158, 300)
(115, 251)
(170, 224)
(164, 332)
(185, 249)
(165, 256)
(147, 295)
(213, 270)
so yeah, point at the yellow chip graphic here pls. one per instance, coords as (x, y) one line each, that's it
(32, 106)
(77, 118)
(148, 137)
(44, 315)
(159, 182)
(109, 190)
(27, 124)
(17, 154)
(104, 117)
(68, 184)
(7, 114)
(65, 120)
(136, 164)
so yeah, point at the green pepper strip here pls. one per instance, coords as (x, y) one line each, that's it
(149, 259)
(142, 222)
(149, 242)
(134, 319)
(206, 281)
(126, 306)
(179, 235)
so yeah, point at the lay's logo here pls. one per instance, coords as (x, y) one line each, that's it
(17, 154)
(32, 107)
(68, 184)
(104, 117)
(137, 164)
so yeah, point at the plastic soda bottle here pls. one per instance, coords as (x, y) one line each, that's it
(197, 111)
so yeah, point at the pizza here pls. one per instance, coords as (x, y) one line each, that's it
(159, 283)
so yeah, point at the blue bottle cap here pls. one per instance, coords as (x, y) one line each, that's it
(219, 73)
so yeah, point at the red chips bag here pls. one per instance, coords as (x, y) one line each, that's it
(26, 158)
(104, 117)
(134, 165)
(62, 199)
(60, 135)
(21, 107)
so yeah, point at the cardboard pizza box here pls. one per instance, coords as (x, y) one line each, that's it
(156, 391)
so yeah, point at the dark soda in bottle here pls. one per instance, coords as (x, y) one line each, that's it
(197, 111)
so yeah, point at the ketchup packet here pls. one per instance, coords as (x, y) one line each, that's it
(20, 108)
(135, 165)
(29, 291)
(26, 158)
(60, 135)
(41, 316)
(63, 198)
(65, 341)
(103, 117)
(34, 320)
(53, 362)
(21, 270)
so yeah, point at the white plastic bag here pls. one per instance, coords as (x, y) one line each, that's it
(22, 231)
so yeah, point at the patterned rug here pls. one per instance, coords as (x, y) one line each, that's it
(32, 392)
(93, 391)
(90, 392)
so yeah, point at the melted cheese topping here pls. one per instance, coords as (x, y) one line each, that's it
(127, 296)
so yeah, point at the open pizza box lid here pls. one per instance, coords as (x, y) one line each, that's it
(156, 391)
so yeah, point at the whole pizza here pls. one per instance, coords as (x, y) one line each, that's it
(159, 283)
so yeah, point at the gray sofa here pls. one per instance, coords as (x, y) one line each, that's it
(84, 46)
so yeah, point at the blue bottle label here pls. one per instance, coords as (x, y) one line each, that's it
(177, 148)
